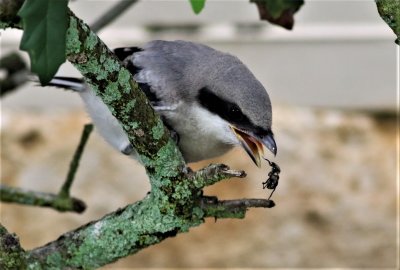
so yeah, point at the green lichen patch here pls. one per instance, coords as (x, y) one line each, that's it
(158, 130)
(219, 211)
(129, 106)
(54, 260)
(198, 213)
(11, 253)
(106, 240)
(91, 41)
(166, 163)
(111, 65)
(93, 68)
(111, 93)
(133, 126)
(182, 192)
(73, 42)
(102, 58)
(124, 78)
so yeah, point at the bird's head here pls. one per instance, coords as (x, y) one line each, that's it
(227, 103)
(236, 96)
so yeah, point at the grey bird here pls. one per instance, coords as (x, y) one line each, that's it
(209, 100)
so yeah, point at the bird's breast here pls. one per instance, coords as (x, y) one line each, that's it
(196, 148)
(202, 135)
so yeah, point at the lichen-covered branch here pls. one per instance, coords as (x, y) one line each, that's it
(130, 229)
(42, 199)
(389, 10)
(12, 256)
(118, 234)
(175, 203)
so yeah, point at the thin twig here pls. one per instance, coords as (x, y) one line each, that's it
(231, 208)
(36, 198)
(73, 167)
(248, 203)
(111, 14)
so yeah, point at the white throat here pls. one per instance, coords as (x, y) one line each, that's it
(202, 134)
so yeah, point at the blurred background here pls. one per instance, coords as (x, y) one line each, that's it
(332, 81)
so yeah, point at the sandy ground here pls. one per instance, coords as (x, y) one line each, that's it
(336, 201)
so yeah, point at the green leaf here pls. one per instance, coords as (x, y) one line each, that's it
(197, 5)
(45, 25)
(278, 12)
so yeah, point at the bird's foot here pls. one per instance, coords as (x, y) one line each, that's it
(187, 170)
(127, 150)
(174, 136)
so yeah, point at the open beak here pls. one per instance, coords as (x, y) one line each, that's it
(253, 144)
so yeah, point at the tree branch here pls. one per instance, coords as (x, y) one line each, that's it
(212, 207)
(118, 234)
(128, 230)
(42, 199)
(111, 14)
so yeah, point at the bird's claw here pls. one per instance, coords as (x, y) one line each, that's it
(127, 150)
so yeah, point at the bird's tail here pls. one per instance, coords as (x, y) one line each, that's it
(69, 83)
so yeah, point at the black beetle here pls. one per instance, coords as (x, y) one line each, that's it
(273, 177)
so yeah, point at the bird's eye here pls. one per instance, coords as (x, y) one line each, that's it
(235, 112)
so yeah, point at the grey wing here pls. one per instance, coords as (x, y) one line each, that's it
(151, 70)
(125, 55)
(173, 69)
